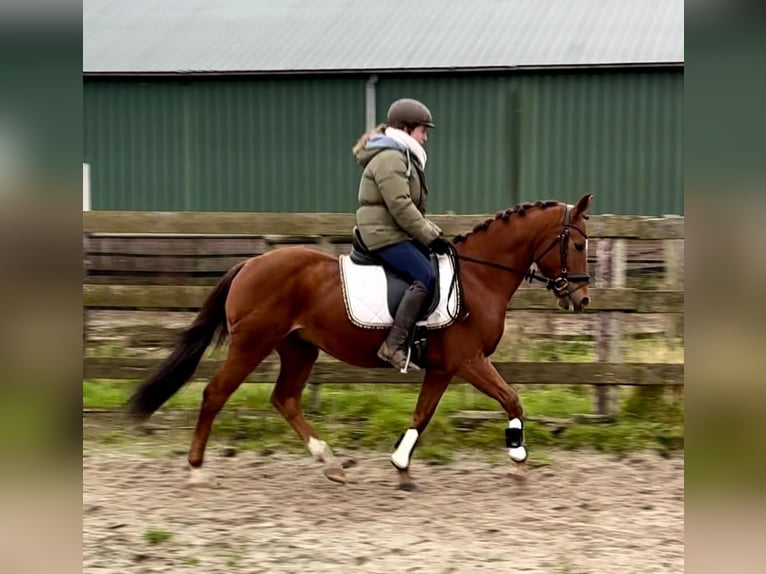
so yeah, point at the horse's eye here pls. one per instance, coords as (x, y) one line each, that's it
(579, 246)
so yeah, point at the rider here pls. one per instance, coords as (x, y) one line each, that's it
(391, 217)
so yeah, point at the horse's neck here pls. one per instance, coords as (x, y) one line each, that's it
(488, 289)
(516, 252)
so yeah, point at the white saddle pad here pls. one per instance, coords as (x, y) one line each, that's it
(365, 291)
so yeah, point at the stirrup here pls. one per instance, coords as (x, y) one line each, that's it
(403, 370)
(409, 364)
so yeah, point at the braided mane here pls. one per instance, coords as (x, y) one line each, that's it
(505, 215)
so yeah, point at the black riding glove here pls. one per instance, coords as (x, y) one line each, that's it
(440, 245)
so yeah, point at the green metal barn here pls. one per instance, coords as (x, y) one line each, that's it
(248, 105)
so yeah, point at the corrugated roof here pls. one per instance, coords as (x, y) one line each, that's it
(169, 36)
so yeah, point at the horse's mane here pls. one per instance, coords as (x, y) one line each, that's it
(504, 215)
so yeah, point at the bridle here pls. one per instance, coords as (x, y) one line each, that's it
(560, 284)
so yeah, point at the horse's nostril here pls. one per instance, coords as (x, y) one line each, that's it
(585, 301)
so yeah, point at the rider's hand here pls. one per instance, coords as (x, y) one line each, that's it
(440, 245)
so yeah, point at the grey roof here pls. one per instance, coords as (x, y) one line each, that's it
(170, 36)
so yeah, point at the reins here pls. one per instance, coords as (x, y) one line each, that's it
(559, 285)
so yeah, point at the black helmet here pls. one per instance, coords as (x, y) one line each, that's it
(409, 113)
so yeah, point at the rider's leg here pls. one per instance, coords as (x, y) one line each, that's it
(394, 348)
(416, 268)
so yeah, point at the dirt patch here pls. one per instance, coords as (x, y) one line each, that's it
(581, 513)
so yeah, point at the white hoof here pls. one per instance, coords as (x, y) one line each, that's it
(199, 478)
(518, 454)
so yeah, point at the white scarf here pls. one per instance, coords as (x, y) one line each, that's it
(406, 139)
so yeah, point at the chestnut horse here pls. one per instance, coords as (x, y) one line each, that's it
(290, 300)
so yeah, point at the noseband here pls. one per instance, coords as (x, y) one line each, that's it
(560, 284)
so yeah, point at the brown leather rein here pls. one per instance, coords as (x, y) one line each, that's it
(560, 284)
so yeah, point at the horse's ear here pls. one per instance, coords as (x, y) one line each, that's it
(583, 205)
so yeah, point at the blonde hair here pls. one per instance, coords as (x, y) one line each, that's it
(362, 141)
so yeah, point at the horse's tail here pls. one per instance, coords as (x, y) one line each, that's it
(179, 367)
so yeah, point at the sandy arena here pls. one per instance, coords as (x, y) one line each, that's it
(584, 512)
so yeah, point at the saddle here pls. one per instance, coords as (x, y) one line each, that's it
(372, 292)
(396, 285)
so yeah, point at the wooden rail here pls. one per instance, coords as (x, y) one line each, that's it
(339, 224)
(326, 372)
(147, 261)
(186, 297)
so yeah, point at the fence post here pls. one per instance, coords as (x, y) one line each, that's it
(315, 399)
(611, 257)
(674, 280)
(86, 201)
(616, 318)
(85, 311)
(323, 243)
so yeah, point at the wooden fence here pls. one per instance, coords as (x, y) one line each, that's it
(141, 261)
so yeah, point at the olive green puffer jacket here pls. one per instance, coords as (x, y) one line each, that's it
(392, 197)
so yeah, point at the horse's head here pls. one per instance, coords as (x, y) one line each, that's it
(564, 260)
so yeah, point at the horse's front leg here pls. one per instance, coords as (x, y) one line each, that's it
(431, 391)
(481, 373)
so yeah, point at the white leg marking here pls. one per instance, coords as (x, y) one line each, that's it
(318, 448)
(514, 424)
(518, 454)
(401, 456)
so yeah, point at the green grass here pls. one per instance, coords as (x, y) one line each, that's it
(372, 417)
(355, 403)
(153, 536)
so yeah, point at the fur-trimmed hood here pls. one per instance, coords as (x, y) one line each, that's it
(381, 138)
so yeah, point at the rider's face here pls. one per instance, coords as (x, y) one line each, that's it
(420, 133)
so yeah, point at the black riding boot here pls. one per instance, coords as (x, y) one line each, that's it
(394, 348)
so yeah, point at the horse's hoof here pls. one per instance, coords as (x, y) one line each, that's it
(336, 474)
(408, 486)
(519, 472)
(199, 480)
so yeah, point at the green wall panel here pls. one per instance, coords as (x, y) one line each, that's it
(617, 135)
(470, 167)
(284, 144)
(133, 137)
(223, 145)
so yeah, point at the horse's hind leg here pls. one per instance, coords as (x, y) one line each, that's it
(243, 356)
(297, 359)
